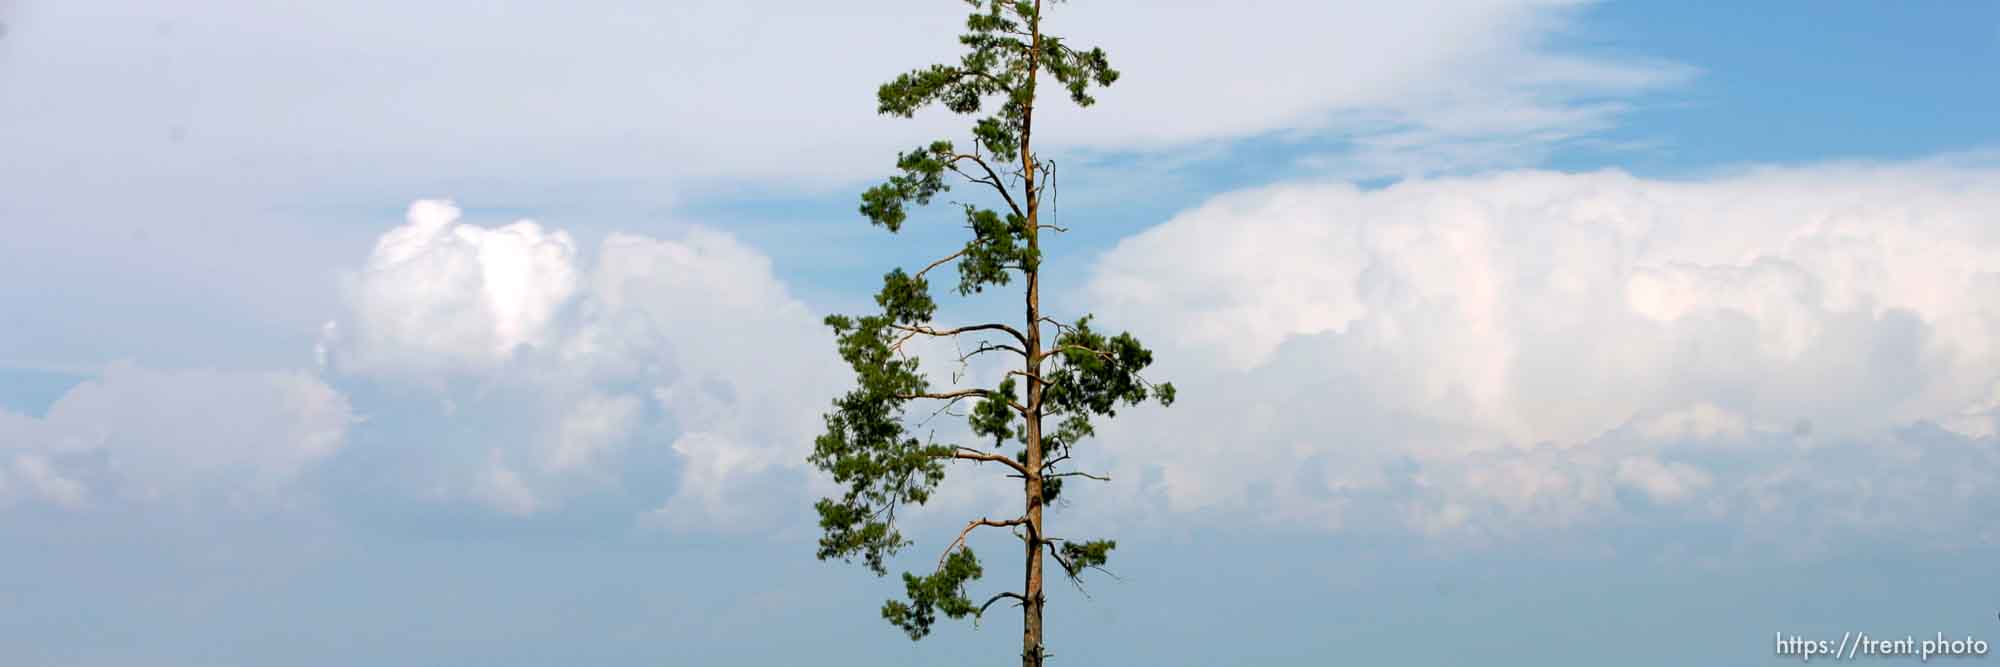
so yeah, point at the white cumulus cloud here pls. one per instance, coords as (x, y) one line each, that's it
(1520, 346)
(688, 344)
(438, 296)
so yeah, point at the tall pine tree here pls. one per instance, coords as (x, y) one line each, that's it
(1070, 373)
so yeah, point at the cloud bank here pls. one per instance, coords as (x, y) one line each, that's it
(1484, 357)
(708, 90)
(1532, 349)
(272, 127)
(133, 435)
(1487, 356)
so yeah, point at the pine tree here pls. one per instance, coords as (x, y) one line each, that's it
(1070, 372)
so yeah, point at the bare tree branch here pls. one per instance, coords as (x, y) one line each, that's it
(952, 395)
(989, 347)
(969, 454)
(942, 409)
(955, 544)
(987, 394)
(1018, 601)
(933, 265)
(929, 331)
(1031, 378)
(1060, 325)
(1101, 478)
(998, 597)
(991, 179)
(897, 347)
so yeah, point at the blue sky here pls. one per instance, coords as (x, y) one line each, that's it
(1507, 333)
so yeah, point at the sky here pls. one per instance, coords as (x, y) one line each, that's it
(488, 333)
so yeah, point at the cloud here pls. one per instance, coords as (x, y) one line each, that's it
(1405, 89)
(686, 345)
(35, 472)
(595, 424)
(624, 93)
(219, 137)
(437, 296)
(1486, 357)
(140, 435)
(1530, 348)
(501, 488)
(1663, 482)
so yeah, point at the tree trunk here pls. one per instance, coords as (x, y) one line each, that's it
(1031, 611)
(1031, 607)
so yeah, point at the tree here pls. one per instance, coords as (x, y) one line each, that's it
(1070, 373)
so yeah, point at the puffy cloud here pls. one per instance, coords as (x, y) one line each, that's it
(178, 437)
(739, 367)
(438, 296)
(690, 343)
(1534, 348)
